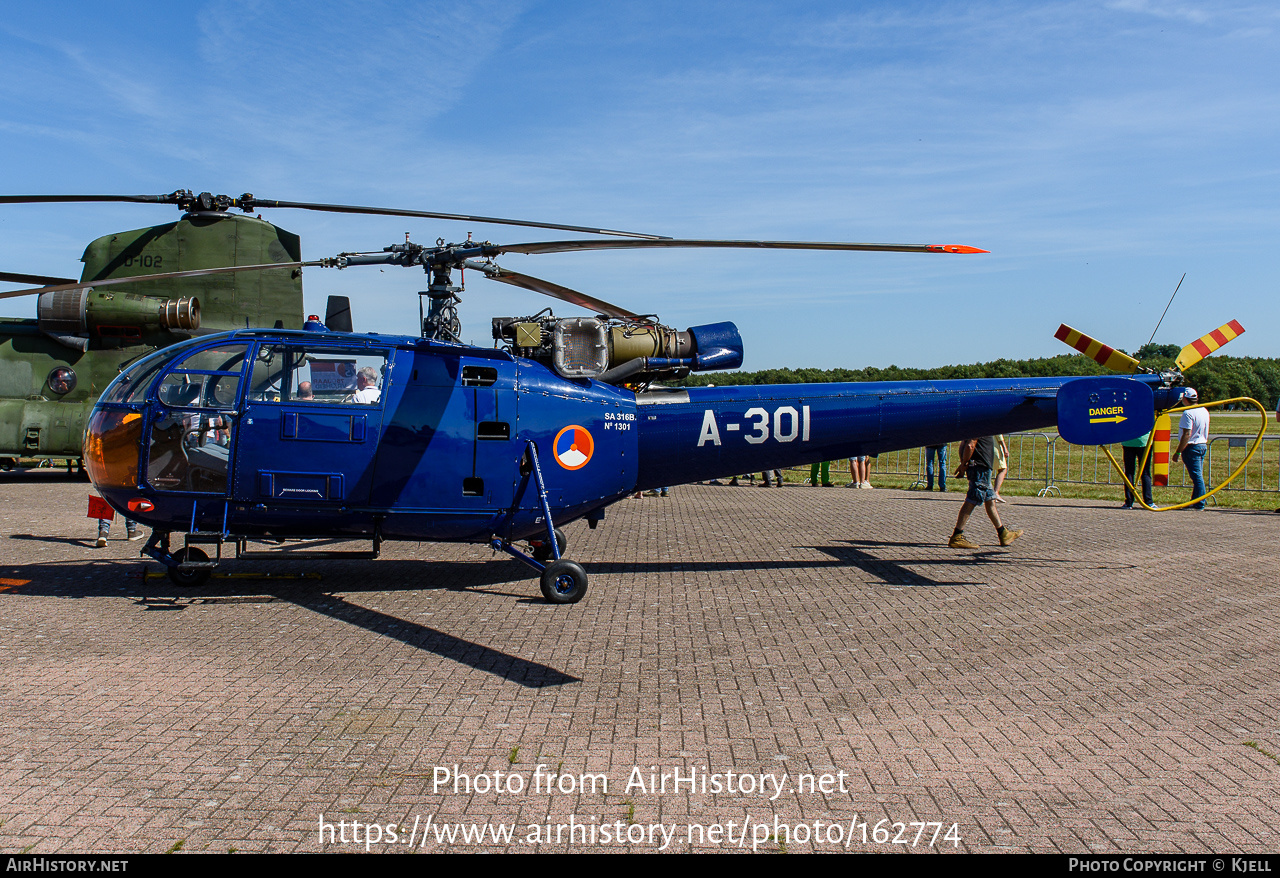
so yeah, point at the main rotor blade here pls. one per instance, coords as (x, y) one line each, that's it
(12, 278)
(1207, 344)
(568, 246)
(547, 288)
(1097, 351)
(81, 199)
(196, 272)
(427, 214)
(249, 203)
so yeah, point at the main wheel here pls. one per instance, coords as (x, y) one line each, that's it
(564, 582)
(542, 551)
(190, 578)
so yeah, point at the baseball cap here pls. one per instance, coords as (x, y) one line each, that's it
(1190, 393)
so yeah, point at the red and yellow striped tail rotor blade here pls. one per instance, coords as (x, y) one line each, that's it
(1207, 344)
(1097, 351)
(1160, 453)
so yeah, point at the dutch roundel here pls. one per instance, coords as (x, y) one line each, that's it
(573, 447)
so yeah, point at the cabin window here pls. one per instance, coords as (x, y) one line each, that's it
(493, 431)
(479, 376)
(318, 375)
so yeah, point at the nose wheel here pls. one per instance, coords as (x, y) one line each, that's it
(564, 582)
(192, 577)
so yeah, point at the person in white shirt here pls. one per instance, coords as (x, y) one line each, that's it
(1193, 444)
(367, 391)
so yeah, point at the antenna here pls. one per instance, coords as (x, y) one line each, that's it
(1166, 308)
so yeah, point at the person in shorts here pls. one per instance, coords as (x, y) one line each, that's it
(977, 458)
(860, 471)
(1001, 469)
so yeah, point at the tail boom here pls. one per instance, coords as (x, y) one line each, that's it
(712, 432)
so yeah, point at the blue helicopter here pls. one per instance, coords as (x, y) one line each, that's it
(279, 434)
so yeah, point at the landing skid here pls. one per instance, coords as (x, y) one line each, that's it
(191, 565)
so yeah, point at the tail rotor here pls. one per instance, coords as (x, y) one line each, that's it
(1118, 361)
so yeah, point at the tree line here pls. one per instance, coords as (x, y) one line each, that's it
(1215, 377)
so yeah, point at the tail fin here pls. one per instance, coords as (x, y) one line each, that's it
(337, 314)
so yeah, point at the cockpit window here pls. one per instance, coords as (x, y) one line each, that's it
(190, 451)
(224, 358)
(207, 379)
(224, 362)
(131, 385)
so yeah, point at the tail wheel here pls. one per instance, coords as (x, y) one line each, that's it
(189, 578)
(564, 582)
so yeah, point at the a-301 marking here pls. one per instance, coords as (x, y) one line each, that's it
(786, 422)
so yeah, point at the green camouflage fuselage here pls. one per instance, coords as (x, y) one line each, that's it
(103, 331)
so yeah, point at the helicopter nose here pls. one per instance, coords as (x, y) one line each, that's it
(111, 444)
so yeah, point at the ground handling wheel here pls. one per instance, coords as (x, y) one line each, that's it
(190, 578)
(542, 548)
(564, 582)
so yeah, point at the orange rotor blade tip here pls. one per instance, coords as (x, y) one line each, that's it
(956, 248)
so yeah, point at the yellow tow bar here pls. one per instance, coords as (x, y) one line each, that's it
(1257, 443)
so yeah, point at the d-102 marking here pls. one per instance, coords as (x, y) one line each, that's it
(788, 425)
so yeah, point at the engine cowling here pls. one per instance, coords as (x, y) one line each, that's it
(71, 317)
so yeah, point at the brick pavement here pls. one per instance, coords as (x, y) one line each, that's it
(1090, 689)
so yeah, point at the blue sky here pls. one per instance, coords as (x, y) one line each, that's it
(1098, 149)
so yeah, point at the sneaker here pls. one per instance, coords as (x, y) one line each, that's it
(733, 482)
(958, 541)
(101, 543)
(856, 485)
(1007, 536)
(868, 486)
(828, 484)
(133, 535)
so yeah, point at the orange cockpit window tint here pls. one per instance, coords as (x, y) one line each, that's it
(111, 448)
